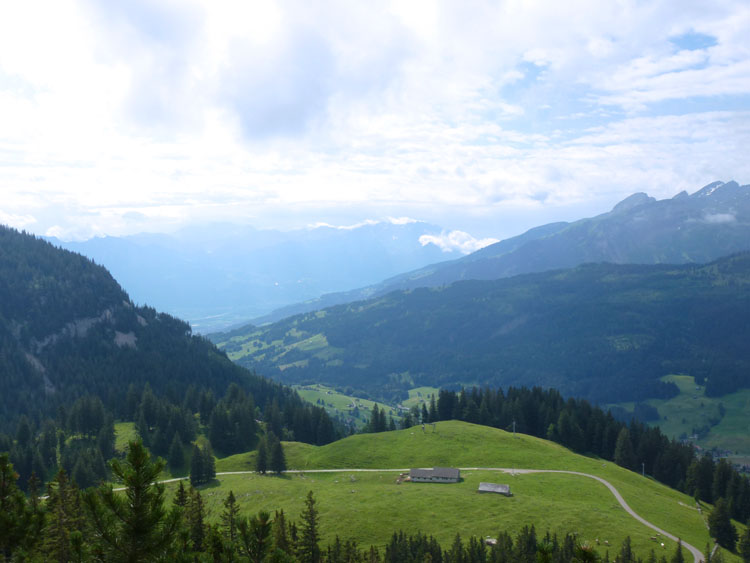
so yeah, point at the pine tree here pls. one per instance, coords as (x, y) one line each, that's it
(134, 526)
(64, 518)
(677, 557)
(624, 454)
(18, 525)
(278, 460)
(196, 467)
(180, 498)
(176, 453)
(280, 533)
(229, 518)
(255, 536)
(261, 460)
(720, 525)
(195, 514)
(209, 465)
(308, 550)
(743, 547)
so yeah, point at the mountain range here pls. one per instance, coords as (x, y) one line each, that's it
(216, 276)
(710, 223)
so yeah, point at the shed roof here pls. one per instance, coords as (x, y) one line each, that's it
(442, 472)
(494, 488)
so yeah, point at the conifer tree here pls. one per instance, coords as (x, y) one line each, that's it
(261, 460)
(135, 526)
(230, 517)
(255, 536)
(280, 533)
(180, 498)
(720, 525)
(176, 453)
(624, 454)
(64, 518)
(308, 550)
(743, 548)
(196, 467)
(195, 514)
(677, 557)
(278, 460)
(18, 522)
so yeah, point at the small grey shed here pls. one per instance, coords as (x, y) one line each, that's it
(495, 488)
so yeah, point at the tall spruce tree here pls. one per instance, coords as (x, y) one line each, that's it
(624, 454)
(278, 460)
(64, 518)
(261, 460)
(18, 522)
(134, 526)
(743, 547)
(196, 466)
(229, 518)
(720, 525)
(308, 550)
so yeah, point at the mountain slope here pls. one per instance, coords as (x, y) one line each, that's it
(220, 275)
(67, 329)
(597, 331)
(713, 222)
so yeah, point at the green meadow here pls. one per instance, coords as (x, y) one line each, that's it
(339, 404)
(370, 506)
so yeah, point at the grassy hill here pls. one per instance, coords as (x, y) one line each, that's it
(370, 506)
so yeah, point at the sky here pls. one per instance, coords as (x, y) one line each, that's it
(486, 118)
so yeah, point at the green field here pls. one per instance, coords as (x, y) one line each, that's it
(420, 395)
(370, 506)
(338, 404)
(124, 432)
(692, 410)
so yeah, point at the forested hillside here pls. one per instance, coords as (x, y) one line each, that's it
(76, 354)
(599, 331)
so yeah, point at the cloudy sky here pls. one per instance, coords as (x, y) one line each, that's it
(485, 117)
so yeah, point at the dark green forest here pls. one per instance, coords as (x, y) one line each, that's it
(599, 331)
(76, 355)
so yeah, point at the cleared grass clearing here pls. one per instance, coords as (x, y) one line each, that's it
(124, 432)
(553, 501)
(420, 395)
(337, 403)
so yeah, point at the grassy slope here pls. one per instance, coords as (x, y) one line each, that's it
(369, 507)
(337, 403)
(692, 409)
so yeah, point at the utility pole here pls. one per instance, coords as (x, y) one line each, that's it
(514, 427)
(643, 468)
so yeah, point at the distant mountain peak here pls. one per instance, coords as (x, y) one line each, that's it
(635, 200)
(709, 189)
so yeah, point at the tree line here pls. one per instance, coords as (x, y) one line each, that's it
(82, 438)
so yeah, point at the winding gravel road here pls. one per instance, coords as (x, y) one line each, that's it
(697, 555)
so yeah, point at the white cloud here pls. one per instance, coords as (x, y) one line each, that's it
(261, 111)
(719, 218)
(456, 240)
(16, 221)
